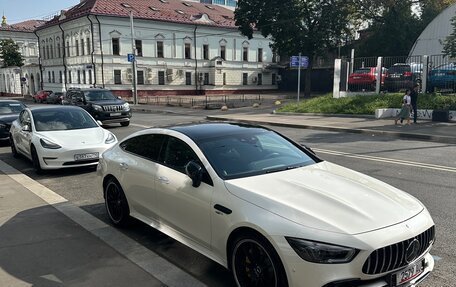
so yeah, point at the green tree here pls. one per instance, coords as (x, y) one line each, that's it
(9, 53)
(449, 44)
(310, 27)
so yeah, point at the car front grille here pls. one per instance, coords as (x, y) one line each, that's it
(399, 254)
(113, 108)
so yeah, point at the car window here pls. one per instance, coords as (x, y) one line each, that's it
(76, 96)
(57, 120)
(399, 69)
(242, 155)
(362, 71)
(11, 107)
(177, 154)
(99, 95)
(147, 146)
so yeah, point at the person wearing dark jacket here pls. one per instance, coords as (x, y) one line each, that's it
(414, 101)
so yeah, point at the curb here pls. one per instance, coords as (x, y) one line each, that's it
(324, 115)
(424, 137)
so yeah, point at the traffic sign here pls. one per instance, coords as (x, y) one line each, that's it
(131, 57)
(295, 61)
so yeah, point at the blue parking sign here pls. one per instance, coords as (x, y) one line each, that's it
(131, 57)
(294, 61)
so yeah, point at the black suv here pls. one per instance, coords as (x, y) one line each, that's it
(101, 104)
(402, 76)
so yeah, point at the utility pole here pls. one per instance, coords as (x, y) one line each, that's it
(299, 76)
(133, 48)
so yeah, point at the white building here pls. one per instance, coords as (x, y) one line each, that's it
(182, 48)
(10, 78)
(429, 42)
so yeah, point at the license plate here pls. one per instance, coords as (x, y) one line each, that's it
(86, 156)
(395, 76)
(115, 114)
(409, 273)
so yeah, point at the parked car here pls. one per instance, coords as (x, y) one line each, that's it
(101, 104)
(365, 79)
(9, 111)
(443, 77)
(55, 137)
(401, 77)
(55, 98)
(267, 208)
(41, 96)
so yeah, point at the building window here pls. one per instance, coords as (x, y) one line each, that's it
(82, 47)
(77, 48)
(161, 77)
(245, 54)
(274, 79)
(51, 48)
(260, 55)
(79, 77)
(223, 52)
(84, 77)
(49, 76)
(115, 46)
(88, 46)
(60, 77)
(53, 77)
(188, 54)
(188, 78)
(160, 50)
(58, 50)
(68, 48)
(140, 77)
(117, 77)
(245, 78)
(47, 52)
(206, 52)
(206, 78)
(260, 79)
(139, 50)
(90, 77)
(224, 79)
(69, 77)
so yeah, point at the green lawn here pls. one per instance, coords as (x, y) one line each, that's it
(366, 104)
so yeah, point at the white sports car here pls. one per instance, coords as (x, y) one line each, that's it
(267, 208)
(59, 137)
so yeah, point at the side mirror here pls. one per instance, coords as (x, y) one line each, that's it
(99, 123)
(195, 172)
(119, 98)
(26, 128)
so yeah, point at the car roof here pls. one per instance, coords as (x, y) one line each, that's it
(198, 132)
(11, 101)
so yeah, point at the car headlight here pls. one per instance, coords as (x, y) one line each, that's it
(2, 126)
(110, 139)
(48, 144)
(97, 108)
(126, 106)
(323, 253)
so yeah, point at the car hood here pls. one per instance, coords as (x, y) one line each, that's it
(328, 197)
(108, 102)
(76, 138)
(8, 118)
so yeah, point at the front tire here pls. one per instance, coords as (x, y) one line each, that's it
(116, 203)
(36, 161)
(13, 148)
(255, 263)
(125, 124)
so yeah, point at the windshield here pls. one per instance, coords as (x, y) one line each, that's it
(58, 120)
(99, 96)
(242, 155)
(10, 108)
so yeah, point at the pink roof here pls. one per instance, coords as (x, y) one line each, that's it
(26, 26)
(158, 10)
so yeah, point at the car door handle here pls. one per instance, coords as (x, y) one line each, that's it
(123, 166)
(163, 179)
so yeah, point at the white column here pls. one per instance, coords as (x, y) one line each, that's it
(337, 71)
(378, 80)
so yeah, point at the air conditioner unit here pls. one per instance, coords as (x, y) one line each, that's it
(169, 71)
(254, 79)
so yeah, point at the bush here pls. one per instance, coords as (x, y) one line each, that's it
(366, 104)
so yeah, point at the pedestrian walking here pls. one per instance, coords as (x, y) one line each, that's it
(405, 110)
(414, 101)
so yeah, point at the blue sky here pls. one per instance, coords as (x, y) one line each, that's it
(21, 10)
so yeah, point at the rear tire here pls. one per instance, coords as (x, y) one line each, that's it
(116, 203)
(125, 124)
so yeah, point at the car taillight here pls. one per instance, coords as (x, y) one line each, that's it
(407, 74)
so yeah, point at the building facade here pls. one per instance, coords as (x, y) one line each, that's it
(181, 48)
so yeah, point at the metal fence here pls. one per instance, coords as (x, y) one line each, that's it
(435, 73)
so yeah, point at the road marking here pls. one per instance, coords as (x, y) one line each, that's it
(387, 160)
(140, 126)
(143, 257)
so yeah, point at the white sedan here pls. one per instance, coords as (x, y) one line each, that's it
(55, 137)
(267, 208)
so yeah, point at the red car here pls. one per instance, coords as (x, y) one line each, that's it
(365, 79)
(41, 96)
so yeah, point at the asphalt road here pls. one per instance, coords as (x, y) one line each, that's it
(426, 170)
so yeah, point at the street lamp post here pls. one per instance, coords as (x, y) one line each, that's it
(133, 48)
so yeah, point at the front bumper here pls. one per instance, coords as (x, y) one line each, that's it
(112, 117)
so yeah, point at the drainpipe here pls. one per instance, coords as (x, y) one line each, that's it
(196, 60)
(65, 68)
(101, 50)
(39, 60)
(92, 52)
